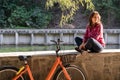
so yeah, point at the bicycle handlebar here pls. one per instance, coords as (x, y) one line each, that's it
(56, 42)
(57, 45)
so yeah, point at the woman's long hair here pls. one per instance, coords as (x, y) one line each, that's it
(91, 16)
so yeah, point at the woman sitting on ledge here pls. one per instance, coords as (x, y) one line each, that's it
(93, 38)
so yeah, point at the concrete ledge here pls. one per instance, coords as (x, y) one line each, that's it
(110, 50)
(44, 53)
(37, 53)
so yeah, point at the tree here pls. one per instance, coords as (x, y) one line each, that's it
(110, 11)
(69, 7)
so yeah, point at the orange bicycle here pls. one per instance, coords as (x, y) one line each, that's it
(65, 72)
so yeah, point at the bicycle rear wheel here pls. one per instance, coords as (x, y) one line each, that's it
(7, 73)
(74, 72)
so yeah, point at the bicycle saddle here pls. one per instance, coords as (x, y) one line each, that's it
(22, 58)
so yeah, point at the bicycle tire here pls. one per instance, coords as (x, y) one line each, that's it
(8, 72)
(74, 72)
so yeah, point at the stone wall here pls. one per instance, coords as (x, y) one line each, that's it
(101, 66)
(97, 66)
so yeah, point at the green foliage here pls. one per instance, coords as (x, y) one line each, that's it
(2, 18)
(69, 7)
(109, 9)
(25, 14)
(32, 13)
(18, 17)
(38, 18)
(35, 18)
(5, 12)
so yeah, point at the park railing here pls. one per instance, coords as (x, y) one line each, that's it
(43, 36)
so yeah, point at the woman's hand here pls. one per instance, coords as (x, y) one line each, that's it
(82, 46)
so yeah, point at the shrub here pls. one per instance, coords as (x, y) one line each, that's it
(35, 18)
(19, 17)
(39, 18)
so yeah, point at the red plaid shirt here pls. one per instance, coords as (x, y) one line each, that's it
(95, 32)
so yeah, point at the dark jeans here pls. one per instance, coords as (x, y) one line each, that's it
(92, 44)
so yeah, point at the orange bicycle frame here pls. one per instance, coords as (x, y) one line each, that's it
(54, 67)
(26, 69)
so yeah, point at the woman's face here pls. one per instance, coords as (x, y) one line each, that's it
(95, 19)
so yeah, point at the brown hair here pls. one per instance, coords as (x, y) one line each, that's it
(90, 18)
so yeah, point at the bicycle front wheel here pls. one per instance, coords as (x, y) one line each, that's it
(74, 72)
(7, 73)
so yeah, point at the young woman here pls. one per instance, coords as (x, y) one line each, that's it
(93, 38)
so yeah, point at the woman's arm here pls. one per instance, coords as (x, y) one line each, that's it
(82, 46)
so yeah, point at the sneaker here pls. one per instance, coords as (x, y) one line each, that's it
(77, 49)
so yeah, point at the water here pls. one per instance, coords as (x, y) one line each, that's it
(22, 48)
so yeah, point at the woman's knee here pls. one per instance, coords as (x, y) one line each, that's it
(76, 38)
(91, 39)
